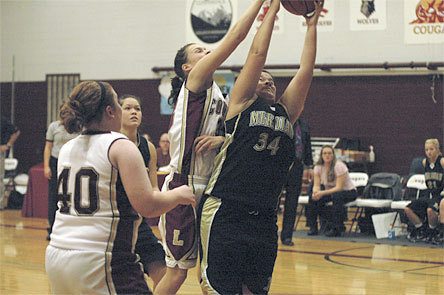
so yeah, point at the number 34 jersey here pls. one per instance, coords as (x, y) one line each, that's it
(253, 163)
(94, 211)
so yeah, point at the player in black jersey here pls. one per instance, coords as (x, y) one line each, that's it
(434, 178)
(148, 246)
(238, 228)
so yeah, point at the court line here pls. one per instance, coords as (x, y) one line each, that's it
(22, 227)
(338, 254)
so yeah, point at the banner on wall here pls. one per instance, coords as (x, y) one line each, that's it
(208, 21)
(368, 15)
(278, 23)
(164, 91)
(326, 19)
(423, 21)
(225, 81)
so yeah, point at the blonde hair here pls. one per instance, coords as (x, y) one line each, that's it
(434, 142)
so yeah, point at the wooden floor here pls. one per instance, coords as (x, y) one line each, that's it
(309, 267)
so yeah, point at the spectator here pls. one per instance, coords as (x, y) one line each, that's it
(331, 183)
(163, 152)
(434, 178)
(9, 134)
(56, 137)
(304, 159)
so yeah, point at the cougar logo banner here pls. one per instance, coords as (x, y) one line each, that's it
(366, 15)
(208, 21)
(424, 21)
(278, 23)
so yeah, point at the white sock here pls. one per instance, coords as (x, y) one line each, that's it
(418, 225)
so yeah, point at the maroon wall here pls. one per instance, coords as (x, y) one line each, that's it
(395, 114)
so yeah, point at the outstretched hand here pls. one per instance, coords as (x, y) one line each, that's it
(185, 195)
(206, 143)
(313, 19)
(275, 5)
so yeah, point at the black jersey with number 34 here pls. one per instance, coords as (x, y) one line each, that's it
(254, 160)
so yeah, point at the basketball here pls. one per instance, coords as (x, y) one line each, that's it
(299, 7)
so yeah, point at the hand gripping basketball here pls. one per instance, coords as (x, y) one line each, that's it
(306, 8)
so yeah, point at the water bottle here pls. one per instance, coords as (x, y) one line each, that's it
(391, 234)
(371, 155)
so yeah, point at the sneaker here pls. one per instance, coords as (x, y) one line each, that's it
(333, 232)
(313, 231)
(287, 242)
(417, 234)
(431, 235)
(438, 239)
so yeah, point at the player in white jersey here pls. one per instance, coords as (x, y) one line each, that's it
(195, 134)
(102, 184)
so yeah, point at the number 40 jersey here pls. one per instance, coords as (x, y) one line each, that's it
(94, 211)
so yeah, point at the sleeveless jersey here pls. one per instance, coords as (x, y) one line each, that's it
(195, 115)
(144, 149)
(434, 177)
(94, 211)
(255, 157)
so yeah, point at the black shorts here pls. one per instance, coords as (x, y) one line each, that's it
(419, 207)
(148, 246)
(435, 202)
(238, 247)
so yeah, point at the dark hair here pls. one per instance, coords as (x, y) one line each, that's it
(85, 104)
(125, 96)
(265, 71)
(176, 82)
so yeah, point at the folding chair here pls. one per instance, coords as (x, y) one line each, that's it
(379, 183)
(416, 182)
(8, 179)
(360, 181)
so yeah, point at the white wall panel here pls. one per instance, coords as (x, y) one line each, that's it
(105, 39)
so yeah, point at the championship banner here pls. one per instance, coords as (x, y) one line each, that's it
(423, 21)
(278, 23)
(208, 21)
(368, 15)
(326, 19)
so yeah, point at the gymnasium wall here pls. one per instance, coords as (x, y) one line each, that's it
(395, 114)
(115, 39)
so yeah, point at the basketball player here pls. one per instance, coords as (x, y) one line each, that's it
(195, 135)
(238, 230)
(148, 246)
(434, 178)
(102, 183)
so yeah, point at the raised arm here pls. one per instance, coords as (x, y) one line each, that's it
(296, 93)
(201, 76)
(245, 86)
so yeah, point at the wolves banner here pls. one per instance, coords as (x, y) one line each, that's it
(366, 15)
(326, 19)
(423, 21)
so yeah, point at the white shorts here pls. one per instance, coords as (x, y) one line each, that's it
(87, 272)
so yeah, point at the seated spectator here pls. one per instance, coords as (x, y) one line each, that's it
(332, 183)
(434, 178)
(163, 153)
(9, 134)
